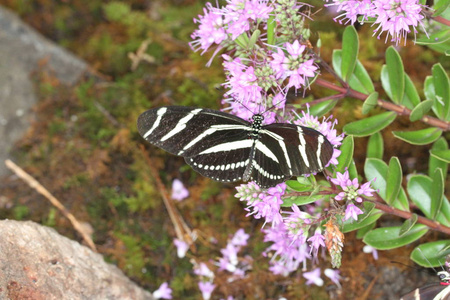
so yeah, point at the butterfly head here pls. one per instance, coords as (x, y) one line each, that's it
(444, 277)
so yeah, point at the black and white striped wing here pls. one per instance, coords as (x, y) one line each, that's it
(214, 143)
(286, 150)
(430, 292)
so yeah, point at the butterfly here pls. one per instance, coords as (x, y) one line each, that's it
(437, 291)
(227, 148)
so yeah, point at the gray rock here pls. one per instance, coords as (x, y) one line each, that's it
(38, 263)
(21, 51)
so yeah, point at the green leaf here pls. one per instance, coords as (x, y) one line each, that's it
(438, 41)
(431, 254)
(393, 181)
(375, 146)
(438, 159)
(322, 108)
(346, 157)
(352, 171)
(271, 24)
(370, 125)
(440, 6)
(418, 137)
(350, 47)
(360, 80)
(370, 102)
(420, 110)
(396, 74)
(442, 155)
(408, 224)
(299, 187)
(441, 83)
(370, 216)
(419, 190)
(387, 238)
(411, 97)
(302, 200)
(402, 202)
(437, 192)
(376, 168)
(362, 231)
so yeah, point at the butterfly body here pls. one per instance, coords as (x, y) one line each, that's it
(227, 148)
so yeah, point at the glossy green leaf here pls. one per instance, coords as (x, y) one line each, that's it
(396, 74)
(438, 159)
(408, 224)
(411, 97)
(376, 168)
(322, 108)
(442, 155)
(384, 77)
(419, 189)
(350, 48)
(419, 137)
(440, 6)
(352, 171)
(302, 200)
(362, 231)
(428, 89)
(420, 110)
(369, 216)
(394, 180)
(438, 41)
(346, 156)
(360, 80)
(431, 254)
(375, 146)
(370, 102)
(441, 83)
(387, 238)
(370, 125)
(402, 201)
(437, 192)
(299, 187)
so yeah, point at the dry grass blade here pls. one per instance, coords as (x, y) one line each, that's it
(33, 183)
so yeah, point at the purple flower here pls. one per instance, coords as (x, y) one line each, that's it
(182, 247)
(317, 241)
(333, 275)
(240, 238)
(295, 65)
(179, 192)
(313, 277)
(287, 254)
(350, 188)
(230, 253)
(164, 292)
(370, 249)
(206, 288)
(352, 212)
(297, 223)
(203, 270)
(210, 31)
(396, 17)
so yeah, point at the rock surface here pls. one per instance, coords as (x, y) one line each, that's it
(22, 52)
(37, 263)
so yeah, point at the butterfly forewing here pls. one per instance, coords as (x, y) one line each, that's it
(188, 131)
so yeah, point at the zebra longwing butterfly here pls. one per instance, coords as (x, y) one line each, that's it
(437, 291)
(227, 148)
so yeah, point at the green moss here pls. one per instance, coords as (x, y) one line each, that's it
(21, 212)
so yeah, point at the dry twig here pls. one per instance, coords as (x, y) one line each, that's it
(33, 183)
